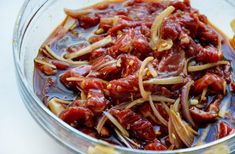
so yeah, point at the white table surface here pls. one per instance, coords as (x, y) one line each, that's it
(19, 133)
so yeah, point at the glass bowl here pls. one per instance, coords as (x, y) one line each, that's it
(36, 21)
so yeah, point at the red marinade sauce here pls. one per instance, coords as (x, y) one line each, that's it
(93, 67)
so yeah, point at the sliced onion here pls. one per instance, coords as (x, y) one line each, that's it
(44, 63)
(105, 64)
(77, 13)
(185, 102)
(194, 101)
(109, 20)
(176, 106)
(90, 48)
(155, 39)
(162, 99)
(164, 45)
(116, 123)
(190, 128)
(101, 123)
(165, 81)
(136, 102)
(225, 87)
(75, 78)
(184, 134)
(143, 93)
(154, 98)
(203, 96)
(165, 107)
(156, 113)
(152, 71)
(132, 142)
(171, 147)
(206, 66)
(52, 53)
(61, 101)
(186, 65)
(56, 105)
(173, 136)
(83, 95)
(122, 139)
(99, 31)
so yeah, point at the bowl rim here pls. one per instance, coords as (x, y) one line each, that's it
(16, 44)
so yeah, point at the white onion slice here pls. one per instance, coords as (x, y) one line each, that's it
(116, 123)
(143, 93)
(165, 81)
(156, 113)
(89, 48)
(155, 38)
(52, 53)
(206, 66)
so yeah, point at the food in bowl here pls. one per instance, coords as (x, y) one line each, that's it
(143, 74)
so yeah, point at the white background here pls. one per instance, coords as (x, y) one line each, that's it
(19, 133)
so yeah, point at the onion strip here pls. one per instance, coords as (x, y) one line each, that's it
(105, 64)
(203, 96)
(132, 142)
(122, 139)
(190, 128)
(156, 113)
(185, 102)
(116, 123)
(143, 93)
(176, 105)
(83, 95)
(165, 107)
(184, 134)
(75, 79)
(162, 99)
(61, 101)
(56, 105)
(89, 48)
(155, 39)
(136, 102)
(101, 123)
(206, 66)
(77, 13)
(52, 53)
(152, 71)
(186, 65)
(165, 81)
(173, 136)
(194, 102)
(44, 63)
(154, 98)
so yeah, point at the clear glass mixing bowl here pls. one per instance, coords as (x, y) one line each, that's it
(35, 22)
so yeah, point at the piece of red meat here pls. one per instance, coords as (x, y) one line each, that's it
(140, 128)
